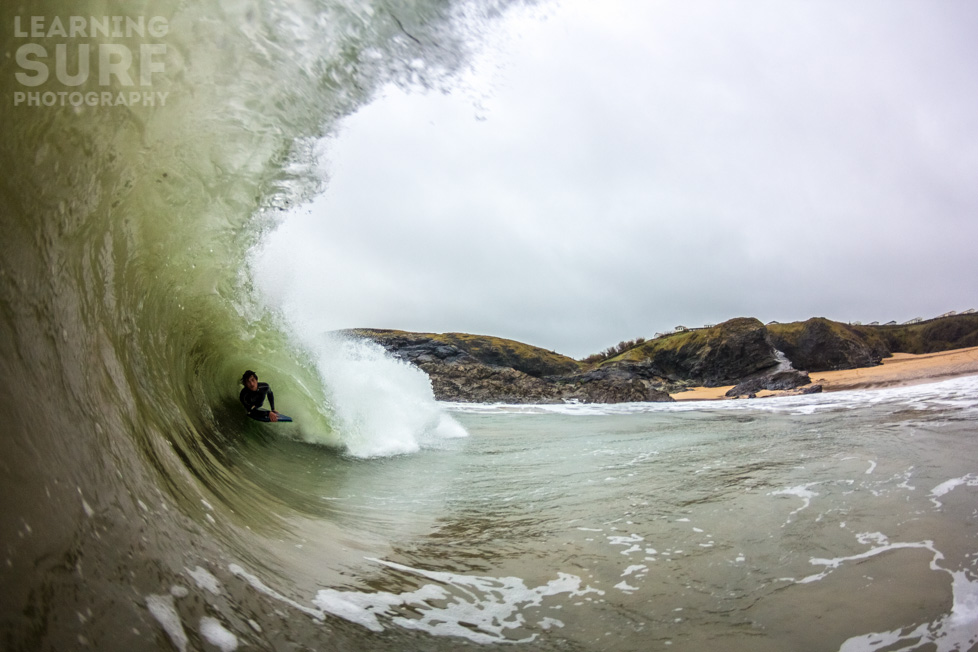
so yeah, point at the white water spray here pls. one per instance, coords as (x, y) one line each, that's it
(385, 406)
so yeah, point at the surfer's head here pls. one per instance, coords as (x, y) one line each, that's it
(247, 376)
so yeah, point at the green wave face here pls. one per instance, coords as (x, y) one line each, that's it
(147, 147)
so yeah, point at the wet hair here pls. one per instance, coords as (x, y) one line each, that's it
(248, 374)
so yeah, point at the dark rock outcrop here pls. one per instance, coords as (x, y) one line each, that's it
(480, 383)
(474, 382)
(712, 357)
(783, 377)
(483, 369)
(615, 384)
(822, 345)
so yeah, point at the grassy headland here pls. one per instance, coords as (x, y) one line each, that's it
(463, 366)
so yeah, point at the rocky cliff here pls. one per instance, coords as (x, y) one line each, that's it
(712, 357)
(822, 345)
(741, 352)
(484, 369)
(944, 334)
(732, 353)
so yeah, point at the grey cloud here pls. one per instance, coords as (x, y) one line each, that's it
(648, 164)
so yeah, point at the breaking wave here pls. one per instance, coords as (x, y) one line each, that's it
(148, 148)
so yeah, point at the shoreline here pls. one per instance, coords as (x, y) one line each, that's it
(900, 369)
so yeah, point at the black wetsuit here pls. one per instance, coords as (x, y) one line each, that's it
(253, 400)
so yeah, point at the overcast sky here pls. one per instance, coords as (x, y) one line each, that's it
(615, 169)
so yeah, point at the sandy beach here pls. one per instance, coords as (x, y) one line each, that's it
(900, 369)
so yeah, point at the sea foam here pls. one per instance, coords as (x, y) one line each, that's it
(384, 406)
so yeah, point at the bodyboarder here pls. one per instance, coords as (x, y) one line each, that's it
(253, 397)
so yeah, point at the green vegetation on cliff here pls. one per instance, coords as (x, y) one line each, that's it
(494, 351)
(944, 334)
(820, 344)
(712, 356)
(743, 350)
(817, 344)
(693, 340)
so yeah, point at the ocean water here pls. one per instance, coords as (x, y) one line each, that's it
(140, 511)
